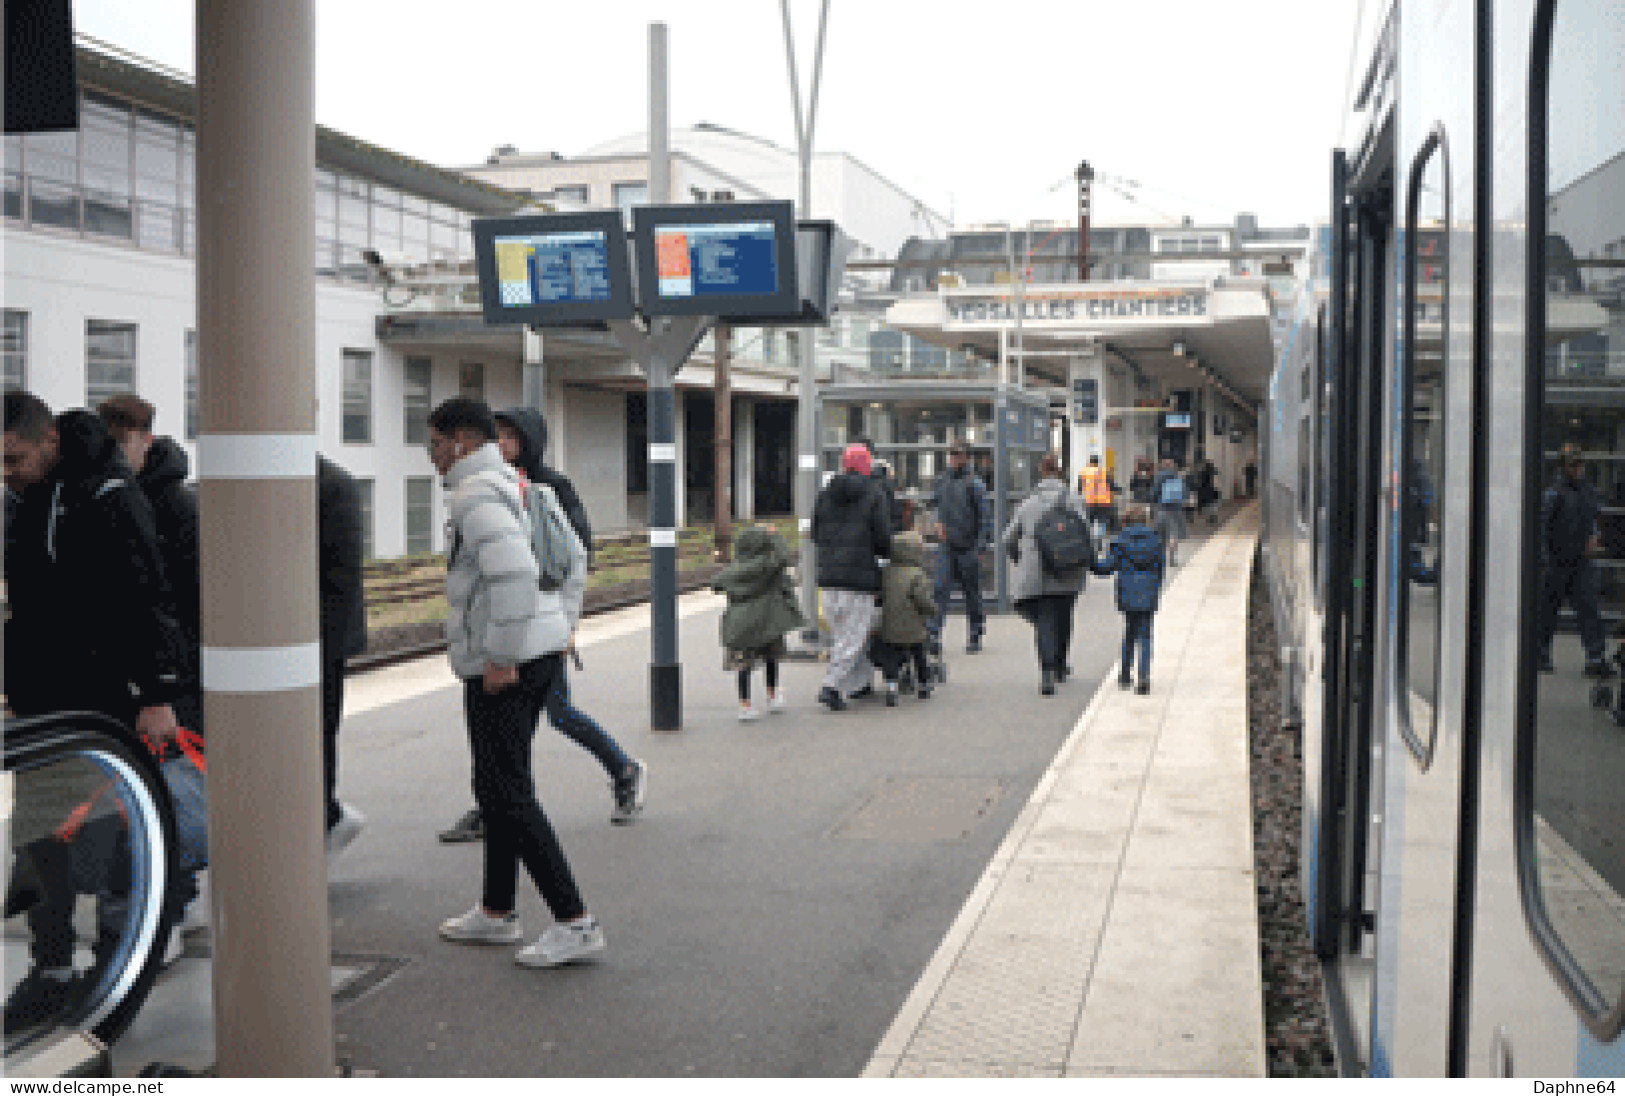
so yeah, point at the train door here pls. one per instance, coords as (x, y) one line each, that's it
(1348, 840)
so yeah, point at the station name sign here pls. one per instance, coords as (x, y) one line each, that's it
(1078, 307)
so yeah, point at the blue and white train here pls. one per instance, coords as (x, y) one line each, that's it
(1464, 834)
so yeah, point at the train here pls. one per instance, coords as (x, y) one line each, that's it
(1453, 371)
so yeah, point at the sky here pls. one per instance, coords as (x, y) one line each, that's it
(980, 110)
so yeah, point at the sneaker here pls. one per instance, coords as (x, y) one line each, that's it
(775, 704)
(748, 714)
(478, 927)
(891, 694)
(1062, 674)
(923, 692)
(1598, 668)
(349, 826)
(1125, 683)
(42, 997)
(831, 699)
(470, 827)
(561, 944)
(973, 646)
(863, 693)
(1046, 685)
(1143, 687)
(629, 792)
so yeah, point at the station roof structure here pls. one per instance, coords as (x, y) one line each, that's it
(1179, 333)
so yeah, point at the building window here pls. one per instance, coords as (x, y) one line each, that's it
(364, 491)
(109, 360)
(357, 429)
(577, 194)
(14, 350)
(419, 515)
(106, 142)
(471, 380)
(194, 388)
(415, 400)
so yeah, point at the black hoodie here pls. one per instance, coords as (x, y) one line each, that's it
(852, 530)
(532, 429)
(174, 511)
(93, 622)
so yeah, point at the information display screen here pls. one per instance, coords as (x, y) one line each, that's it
(553, 269)
(727, 260)
(1174, 420)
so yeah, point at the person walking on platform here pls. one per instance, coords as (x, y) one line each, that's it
(1136, 557)
(1096, 488)
(1251, 472)
(1207, 491)
(92, 626)
(1169, 491)
(506, 639)
(962, 511)
(1048, 538)
(339, 557)
(907, 606)
(852, 531)
(522, 440)
(761, 610)
(1139, 484)
(1570, 541)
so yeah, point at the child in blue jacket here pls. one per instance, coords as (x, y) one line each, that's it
(1136, 555)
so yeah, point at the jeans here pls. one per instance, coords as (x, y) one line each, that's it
(1581, 586)
(1051, 618)
(582, 729)
(501, 729)
(1136, 634)
(961, 567)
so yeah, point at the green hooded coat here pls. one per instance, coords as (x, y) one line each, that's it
(761, 597)
(906, 600)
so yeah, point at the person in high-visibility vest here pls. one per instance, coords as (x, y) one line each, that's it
(1096, 490)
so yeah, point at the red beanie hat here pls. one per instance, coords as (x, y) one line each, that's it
(856, 459)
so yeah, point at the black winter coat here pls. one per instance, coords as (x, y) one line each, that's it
(340, 563)
(174, 511)
(852, 530)
(961, 508)
(1568, 521)
(531, 427)
(93, 623)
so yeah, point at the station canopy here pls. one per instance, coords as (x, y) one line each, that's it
(1165, 330)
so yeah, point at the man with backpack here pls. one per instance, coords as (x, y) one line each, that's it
(1049, 541)
(1168, 489)
(522, 439)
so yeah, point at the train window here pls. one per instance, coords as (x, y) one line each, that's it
(1573, 709)
(1321, 441)
(1421, 442)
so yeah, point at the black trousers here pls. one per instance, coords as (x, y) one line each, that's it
(501, 729)
(332, 714)
(1051, 618)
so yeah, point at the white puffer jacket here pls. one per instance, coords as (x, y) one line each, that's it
(496, 611)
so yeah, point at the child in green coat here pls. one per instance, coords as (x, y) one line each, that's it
(907, 606)
(761, 611)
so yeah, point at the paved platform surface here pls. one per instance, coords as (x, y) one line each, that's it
(1115, 933)
(800, 886)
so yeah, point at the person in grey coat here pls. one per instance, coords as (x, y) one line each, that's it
(1045, 600)
(506, 639)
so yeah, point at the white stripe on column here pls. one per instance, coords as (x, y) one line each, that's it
(663, 451)
(662, 538)
(262, 669)
(256, 456)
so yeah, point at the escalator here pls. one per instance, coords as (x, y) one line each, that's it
(90, 854)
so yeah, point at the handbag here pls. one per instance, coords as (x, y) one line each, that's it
(186, 775)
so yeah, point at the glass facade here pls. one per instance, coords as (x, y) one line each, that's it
(357, 427)
(194, 398)
(14, 350)
(109, 360)
(419, 515)
(129, 174)
(415, 400)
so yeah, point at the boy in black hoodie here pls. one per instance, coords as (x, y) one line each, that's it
(522, 437)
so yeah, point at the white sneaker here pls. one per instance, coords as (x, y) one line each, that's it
(775, 704)
(749, 714)
(349, 826)
(478, 927)
(562, 944)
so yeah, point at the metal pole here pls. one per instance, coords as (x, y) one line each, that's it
(807, 440)
(257, 456)
(1001, 500)
(1086, 176)
(533, 374)
(665, 672)
(722, 539)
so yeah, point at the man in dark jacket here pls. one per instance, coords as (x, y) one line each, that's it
(92, 627)
(344, 627)
(962, 511)
(852, 531)
(1570, 539)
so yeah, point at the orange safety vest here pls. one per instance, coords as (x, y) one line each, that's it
(1095, 488)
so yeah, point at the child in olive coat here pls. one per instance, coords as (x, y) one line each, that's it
(907, 607)
(761, 611)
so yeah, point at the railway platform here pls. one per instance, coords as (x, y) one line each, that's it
(991, 883)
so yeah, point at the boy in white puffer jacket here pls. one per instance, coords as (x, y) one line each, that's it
(506, 639)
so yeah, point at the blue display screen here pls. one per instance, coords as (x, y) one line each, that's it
(552, 268)
(717, 260)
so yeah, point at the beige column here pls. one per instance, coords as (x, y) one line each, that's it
(257, 501)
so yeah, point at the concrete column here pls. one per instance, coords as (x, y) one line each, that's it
(257, 503)
(745, 460)
(1087, 438)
